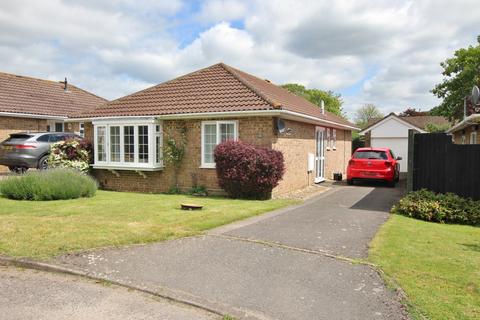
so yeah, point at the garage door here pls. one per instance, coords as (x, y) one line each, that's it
(399, 146)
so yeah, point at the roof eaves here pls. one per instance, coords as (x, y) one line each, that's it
(393, 115)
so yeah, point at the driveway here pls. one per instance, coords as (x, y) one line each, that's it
(291, 264)
(35, 295)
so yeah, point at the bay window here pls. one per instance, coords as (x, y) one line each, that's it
(213, 133)
(128, 144)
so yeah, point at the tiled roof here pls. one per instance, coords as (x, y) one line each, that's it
(19, 94)
(218, 88)
(422, 121)
(417, 121)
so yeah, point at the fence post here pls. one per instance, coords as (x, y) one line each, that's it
(411, 143)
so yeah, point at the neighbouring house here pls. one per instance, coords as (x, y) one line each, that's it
(207, 107)
(392, 132)
(30, 104)
(466, 131)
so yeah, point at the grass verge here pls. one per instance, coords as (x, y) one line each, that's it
(437, 265)
(45, 229)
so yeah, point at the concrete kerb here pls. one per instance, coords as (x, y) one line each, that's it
(163, 292)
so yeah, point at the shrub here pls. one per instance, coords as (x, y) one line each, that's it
(247, 171)
(52, 184)
(444, 208)
(72, 153)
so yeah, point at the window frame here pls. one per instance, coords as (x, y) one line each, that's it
(208, 165)
(150, 165)
(472, 135)
(334, 139)
(329, 139)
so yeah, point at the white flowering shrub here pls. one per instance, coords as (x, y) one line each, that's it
(72, 153)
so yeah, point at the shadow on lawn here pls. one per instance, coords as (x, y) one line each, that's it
(472, 246)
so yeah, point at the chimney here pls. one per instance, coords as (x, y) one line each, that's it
(322, 106)
(66, 85)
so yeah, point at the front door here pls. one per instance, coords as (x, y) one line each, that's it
(319, 155)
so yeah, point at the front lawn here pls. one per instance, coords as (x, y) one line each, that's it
(437, 265)
(41, 229)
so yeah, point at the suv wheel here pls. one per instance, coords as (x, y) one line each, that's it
(43, 163)
(18, 170)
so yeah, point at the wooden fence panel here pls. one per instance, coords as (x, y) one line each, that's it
(441, 166)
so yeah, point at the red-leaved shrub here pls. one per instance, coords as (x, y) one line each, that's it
(248, 171)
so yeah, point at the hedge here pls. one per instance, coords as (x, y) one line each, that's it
(52, 184)
(437, 207)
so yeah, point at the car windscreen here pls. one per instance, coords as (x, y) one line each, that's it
(371, 154)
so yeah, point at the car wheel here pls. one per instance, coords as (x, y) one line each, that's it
(391, 184)
(43, 163)
(350, 182)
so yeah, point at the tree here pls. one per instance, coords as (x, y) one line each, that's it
(461, 72)
(366, 113)
(412, 112)
(333, 101)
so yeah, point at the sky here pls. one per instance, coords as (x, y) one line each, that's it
(383, 52)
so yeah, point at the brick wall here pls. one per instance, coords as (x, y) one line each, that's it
(295, 146)
(457, 136)
(10, 125)
(256, 130)
(336, 160)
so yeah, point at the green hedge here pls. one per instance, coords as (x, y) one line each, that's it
(54, 184)
(436, 207)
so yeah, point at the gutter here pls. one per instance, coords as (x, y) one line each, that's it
(229, 114)
(464, 123)
(35, 116)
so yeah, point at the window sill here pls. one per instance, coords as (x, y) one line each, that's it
(132, 168)
(207, 166)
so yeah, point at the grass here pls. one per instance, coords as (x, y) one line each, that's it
(437, 265)
(45, 229)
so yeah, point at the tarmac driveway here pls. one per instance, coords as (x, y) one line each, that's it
(284, 265)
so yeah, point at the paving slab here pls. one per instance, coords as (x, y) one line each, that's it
(36, 295)
(342, 221)
(264, 282)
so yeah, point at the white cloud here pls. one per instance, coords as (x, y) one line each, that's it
(222, 10)
(376, 51)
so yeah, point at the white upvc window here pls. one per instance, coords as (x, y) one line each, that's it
(81, 129)
(328, 139)
(473, 137)
(214, 133)
(334, 139)
(128, 144)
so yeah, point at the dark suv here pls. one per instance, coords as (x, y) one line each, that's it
(30, 150)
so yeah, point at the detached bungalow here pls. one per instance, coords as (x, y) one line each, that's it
(30, 104)
(207, 107)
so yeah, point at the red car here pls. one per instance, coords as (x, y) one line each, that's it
(374, 164)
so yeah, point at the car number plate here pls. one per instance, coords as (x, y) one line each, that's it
(368, 173)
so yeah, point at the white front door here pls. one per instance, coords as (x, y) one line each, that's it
(319, 155)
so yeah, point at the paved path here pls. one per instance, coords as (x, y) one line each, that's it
(35, 295)
(277, 266)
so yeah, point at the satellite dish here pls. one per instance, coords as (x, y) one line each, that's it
(280, 126)
(475, 95)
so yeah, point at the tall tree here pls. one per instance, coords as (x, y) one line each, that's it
(366, 113)
(461, 72)
(333, 101)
